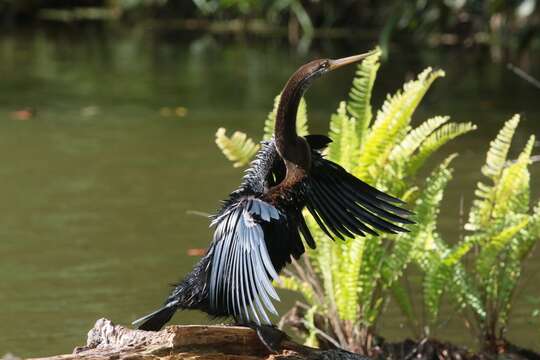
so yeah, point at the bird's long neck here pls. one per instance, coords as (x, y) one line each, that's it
(288, 144)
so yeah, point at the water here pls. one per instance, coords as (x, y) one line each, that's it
(97, 187)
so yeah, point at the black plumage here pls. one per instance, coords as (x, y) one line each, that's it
(261, 225)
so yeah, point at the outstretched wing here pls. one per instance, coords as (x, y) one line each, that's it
(242, 267)
(343, 205)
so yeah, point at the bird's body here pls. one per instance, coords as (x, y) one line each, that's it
(261, 225)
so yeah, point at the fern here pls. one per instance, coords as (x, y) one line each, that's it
(498, 151)
(270, 122)
(512, 190)
(417, 136)
(359, 104)
(480, 213)
(238, 148)
(434, 141)
(391, 124)
(496, 243)
(344, 147)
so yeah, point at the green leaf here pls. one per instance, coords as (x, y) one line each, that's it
(435, 141)
(238, 148)
(486, 195)
(344, 148)
(392, 125)
(415, 137)
(489, 253)
(359, 104)
(498, 150)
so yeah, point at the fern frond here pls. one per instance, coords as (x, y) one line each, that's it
(344, 148)
(392, 123)
(401, 297)
(270, 122)
(498, 149)
(370, 276)
(489, 253)
(531, 236)
(435, 141)
(359, 104)
(464, 294)
(238, 148)
(419, 241)
(482, 208)
(415, 137)
(512, 190)
(435, 282)
(311, 338)
(353, 262)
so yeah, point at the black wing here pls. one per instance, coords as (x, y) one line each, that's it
(251, 245)
(343, 205)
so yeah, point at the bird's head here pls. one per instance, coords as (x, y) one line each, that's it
(319, 67)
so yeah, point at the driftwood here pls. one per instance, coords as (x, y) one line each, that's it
(194, 342)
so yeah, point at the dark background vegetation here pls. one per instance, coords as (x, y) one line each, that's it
(507, 25)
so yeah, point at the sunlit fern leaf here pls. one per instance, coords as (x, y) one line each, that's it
(238, 148)
(403, 300)
(489, 253)
(464, 293)
(531, 236)
(301, 119)
(359, 104)
(435, 281)
(512, 190)
(434, 141)
(498, 150)
(294, 284)
(446, 273)
(322, 257)
(415, 137)
(419, 241)
(454, 255)
(344, 148)
(270, 122)
(309, 318)
(391, 124)
(369, 277)
(508, 281)
(352, 262)
(481, 210)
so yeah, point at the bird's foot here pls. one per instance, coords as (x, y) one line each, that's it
(269, 335)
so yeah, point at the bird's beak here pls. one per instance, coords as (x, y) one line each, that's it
(334, 64)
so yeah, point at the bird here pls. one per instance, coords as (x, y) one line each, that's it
(261, 227)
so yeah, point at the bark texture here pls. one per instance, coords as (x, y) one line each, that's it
(194, 342)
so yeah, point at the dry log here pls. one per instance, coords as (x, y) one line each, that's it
(194, 342)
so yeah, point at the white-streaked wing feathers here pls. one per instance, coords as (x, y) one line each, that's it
(242, 271)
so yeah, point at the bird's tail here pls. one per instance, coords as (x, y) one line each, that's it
(155, 321)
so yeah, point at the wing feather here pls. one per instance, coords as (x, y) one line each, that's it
(242, 272)
(343, 205)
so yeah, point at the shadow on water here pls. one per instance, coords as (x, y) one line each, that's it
(98, 180)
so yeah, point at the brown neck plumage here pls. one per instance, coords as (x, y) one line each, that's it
(293, 149)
